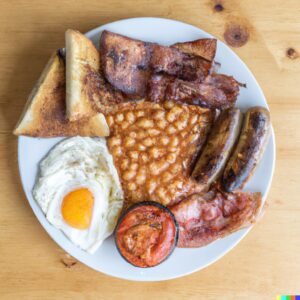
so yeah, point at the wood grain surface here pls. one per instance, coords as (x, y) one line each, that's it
(266, 263)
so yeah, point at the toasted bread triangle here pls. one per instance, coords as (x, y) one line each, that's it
(45, 112)
(81, 58)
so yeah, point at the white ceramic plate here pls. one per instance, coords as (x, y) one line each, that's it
(182, 261)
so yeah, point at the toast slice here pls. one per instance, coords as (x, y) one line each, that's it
(81, 58)
(45, 112)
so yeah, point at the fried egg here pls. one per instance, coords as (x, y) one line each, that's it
(79, 191)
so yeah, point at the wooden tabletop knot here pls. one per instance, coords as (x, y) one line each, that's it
(218, 7)
(292, 53)
(236, 35)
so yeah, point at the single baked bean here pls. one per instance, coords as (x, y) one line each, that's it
(124, 164)
(114, 141)
(164, 140)
(140, 113)
(134, 155)
(131, 186)
(144, 157)
(141, 147)
(119, 118)
(180, 124)
(129, 142)
(159, 115)
(168, 104)
(141, 134)
(133, 166)
(124, 125)
(128, 175)
(130, 117)
(145, 123)
(162, 124)
(140, 178)
(171, 158)
(117, 151)
(171, 129)
(148, 142)
(151, 186)
(153, 132)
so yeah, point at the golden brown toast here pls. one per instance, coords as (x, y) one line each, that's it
(45, 112)
(81, 57)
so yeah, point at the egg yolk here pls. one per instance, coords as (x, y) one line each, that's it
(77, 208)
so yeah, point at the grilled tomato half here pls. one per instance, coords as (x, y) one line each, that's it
(146, 234)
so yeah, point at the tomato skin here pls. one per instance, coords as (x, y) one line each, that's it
(146, 234)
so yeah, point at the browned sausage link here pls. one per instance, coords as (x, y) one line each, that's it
(249, 150)
(218, 147)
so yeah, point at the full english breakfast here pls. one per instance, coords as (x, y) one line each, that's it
(157, 152)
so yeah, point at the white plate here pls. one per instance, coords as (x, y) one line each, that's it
(182, 261)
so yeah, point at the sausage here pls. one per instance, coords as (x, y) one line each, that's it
(249, 150)
(219, 146)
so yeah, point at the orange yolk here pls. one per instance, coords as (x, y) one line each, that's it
(77, 208)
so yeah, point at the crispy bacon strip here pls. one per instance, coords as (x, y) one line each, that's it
(205, 218)
(205, 48)
(182, 65)
(125, 62)
(157, 87)
(216, 91)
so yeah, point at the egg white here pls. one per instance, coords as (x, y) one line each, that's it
(80, 163)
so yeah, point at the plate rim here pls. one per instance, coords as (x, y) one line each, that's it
(245, 230)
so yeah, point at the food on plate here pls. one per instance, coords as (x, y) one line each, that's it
(154, 147)
(205, 218)
(146, 234)
(205, 48)
(125, 63)
(78, 190)
(181, 72)
(249, 150)
(44, 114)
(218, 147)
(215, 91)
(86, 90)
(171, 61)
(158, 105)
(81, 58)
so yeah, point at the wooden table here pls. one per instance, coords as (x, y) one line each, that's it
(265, 263)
